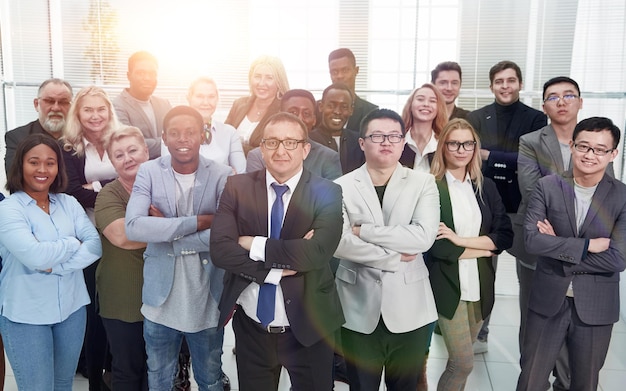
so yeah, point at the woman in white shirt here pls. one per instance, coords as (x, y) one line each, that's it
(474, 227)
(89, 122)
(424, 115)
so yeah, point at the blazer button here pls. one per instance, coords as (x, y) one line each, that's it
(205, 261)
(379, 282)
(288, 301)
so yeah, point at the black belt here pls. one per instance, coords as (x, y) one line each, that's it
(273, 329)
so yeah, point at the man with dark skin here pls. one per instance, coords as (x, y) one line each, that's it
(336, 107)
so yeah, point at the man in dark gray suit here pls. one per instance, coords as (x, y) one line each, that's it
(576, 224)
(544, 152)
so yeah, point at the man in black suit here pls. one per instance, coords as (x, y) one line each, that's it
(343, 69)
(336, 108)
(500, 126)
(278, 275)
(575, 223)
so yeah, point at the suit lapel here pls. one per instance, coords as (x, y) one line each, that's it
(294, 214)
(365, 188)
(567, 185)
(200, 185)
(395, 188)
(259, 196)
(446, 204)
(169, 184)
(551, 143)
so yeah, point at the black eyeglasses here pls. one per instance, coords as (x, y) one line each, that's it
(584, 148)
(60, 102)
(380, 138)
(289, 144)
(454, 146)
(567, 98)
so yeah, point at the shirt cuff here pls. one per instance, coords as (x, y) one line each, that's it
(274, 276)
(97, 186)
(257, 250)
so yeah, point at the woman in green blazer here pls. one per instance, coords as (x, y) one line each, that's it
(474, 227)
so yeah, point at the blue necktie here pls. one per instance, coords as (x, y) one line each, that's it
(267, 292)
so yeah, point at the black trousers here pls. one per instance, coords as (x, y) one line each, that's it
(401, 355)
(261, 355)
(127, 346)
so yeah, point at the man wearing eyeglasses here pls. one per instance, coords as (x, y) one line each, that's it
(545, 152)
(390, 217)
(500, 126)
(575, 225)
(274, 233)
(52, 103)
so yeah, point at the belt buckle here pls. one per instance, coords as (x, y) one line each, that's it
(277, 329)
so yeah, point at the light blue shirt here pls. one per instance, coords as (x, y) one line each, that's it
(31, 241)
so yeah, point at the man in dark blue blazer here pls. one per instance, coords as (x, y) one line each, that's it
(576, 225)
(500, 126)
(305, 311)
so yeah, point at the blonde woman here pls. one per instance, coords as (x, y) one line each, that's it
(474, 227)
(89, 121)
(268, 82)
(424, 115)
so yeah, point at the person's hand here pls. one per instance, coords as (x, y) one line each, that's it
(204, 222)
(288, 272)
(545, 227)
(88, 186)
(407, 257)
(154, 212)
(356, 230)
(446, 233)
(598, 245)
(246, 242)
(309, 235)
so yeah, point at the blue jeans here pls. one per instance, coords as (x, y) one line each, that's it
(163, 345)
(44, 357)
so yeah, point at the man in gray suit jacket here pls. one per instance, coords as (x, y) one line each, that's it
(541, 153)
(136, 106)
(390, 217)
(576, 225)
(171, 208)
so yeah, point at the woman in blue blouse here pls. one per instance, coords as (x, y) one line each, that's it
(46, 240)
(474, 227)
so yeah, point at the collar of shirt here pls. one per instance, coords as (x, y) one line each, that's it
(431, 146)
(291, 182)
(452, 179)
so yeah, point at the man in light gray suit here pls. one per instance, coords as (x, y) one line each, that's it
(136, 106)
(391, 216)
(576, 224)
(171, 208)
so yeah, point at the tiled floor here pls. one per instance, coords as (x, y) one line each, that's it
(496, 370)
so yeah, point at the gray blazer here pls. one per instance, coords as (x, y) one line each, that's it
(371, 280)
(539, 156)
(130, 113)
(172, 236)
(564, 258)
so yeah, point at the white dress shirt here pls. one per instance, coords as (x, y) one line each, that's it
(250, 296)
(467, 220)
(421, 163)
